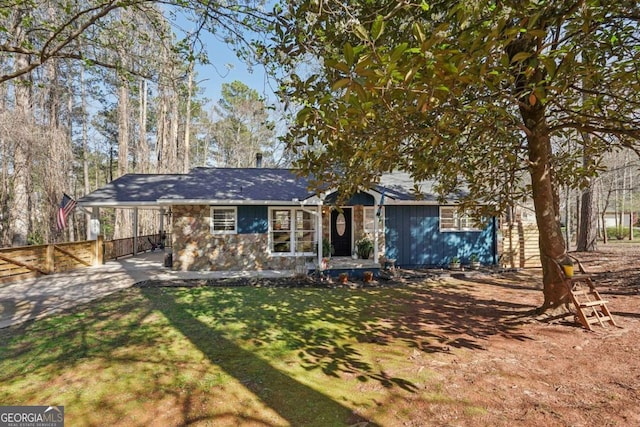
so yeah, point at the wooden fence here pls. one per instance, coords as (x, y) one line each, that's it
(520, 247)
(32, 261)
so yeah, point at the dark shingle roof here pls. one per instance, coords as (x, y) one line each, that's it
(132, 190)
(201, 184)
(232, 185)
(245, 184)
(400, 186)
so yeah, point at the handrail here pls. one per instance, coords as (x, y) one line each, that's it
(117, 248)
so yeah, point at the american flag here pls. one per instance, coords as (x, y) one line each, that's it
(66, 207)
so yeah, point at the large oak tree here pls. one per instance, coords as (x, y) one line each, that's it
(480, 95)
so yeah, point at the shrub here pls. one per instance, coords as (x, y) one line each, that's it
(617, 233)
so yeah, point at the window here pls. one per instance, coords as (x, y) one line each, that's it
(305, 231)
(369, 220)
(453, 220)
(224, 220)
(292, 231)
(281, 230)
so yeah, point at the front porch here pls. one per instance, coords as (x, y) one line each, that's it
(353, 267)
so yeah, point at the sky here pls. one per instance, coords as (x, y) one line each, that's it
(225, 67)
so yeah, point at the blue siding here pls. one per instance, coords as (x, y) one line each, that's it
(253, 219)
(414, 239)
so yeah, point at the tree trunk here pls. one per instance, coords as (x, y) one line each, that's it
(160, 131)
(85, 145)
(123, 220)
(187, 122)
(19, 208)
(174, 135)
(588, 224)
(587, 232)
(567, 216)
(143, 146)
(546, 202)
(631, 207)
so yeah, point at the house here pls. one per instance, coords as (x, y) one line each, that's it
(268, 219)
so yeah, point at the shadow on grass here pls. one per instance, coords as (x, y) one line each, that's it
(341, 333)
(280, 392)
(321, 326)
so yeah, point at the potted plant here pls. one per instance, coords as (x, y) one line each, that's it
(364, 247)
(455, 263)
(474, 261)
(367, 276)
(327, 248)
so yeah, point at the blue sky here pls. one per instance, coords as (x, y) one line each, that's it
(225, 67)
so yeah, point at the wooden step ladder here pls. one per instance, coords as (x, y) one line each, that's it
(591, 309)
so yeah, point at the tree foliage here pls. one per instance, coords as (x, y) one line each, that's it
(91, 89)
(243, 127)
(84, 30)
(481, 95)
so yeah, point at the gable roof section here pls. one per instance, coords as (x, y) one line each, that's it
(400, 186)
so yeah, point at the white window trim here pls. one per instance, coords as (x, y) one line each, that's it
(292, 233)
(460, 216)
(235, 220)
(374, 213)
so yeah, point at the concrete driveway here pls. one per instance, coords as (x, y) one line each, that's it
(29, 299)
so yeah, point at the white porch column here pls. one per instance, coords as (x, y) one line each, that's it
(135, 231)
(162, 212)
(93, 230)
(376, 221)
(319, 231)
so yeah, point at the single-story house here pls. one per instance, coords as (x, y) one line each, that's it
(267, 219)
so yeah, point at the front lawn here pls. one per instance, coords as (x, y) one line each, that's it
(421, 354)
(255, 356)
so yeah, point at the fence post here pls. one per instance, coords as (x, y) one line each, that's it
(99, 251)
(50, 263)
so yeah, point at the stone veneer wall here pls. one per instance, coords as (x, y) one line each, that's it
(196, 249)
(326, 223)
(358, 219)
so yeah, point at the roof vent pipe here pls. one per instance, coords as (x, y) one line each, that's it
(258, 160)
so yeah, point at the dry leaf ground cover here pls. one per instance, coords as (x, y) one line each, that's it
(461, 351)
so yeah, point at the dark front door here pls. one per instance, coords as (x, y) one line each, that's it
(341, 232)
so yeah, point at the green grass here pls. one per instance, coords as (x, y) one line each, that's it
(228, 356)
